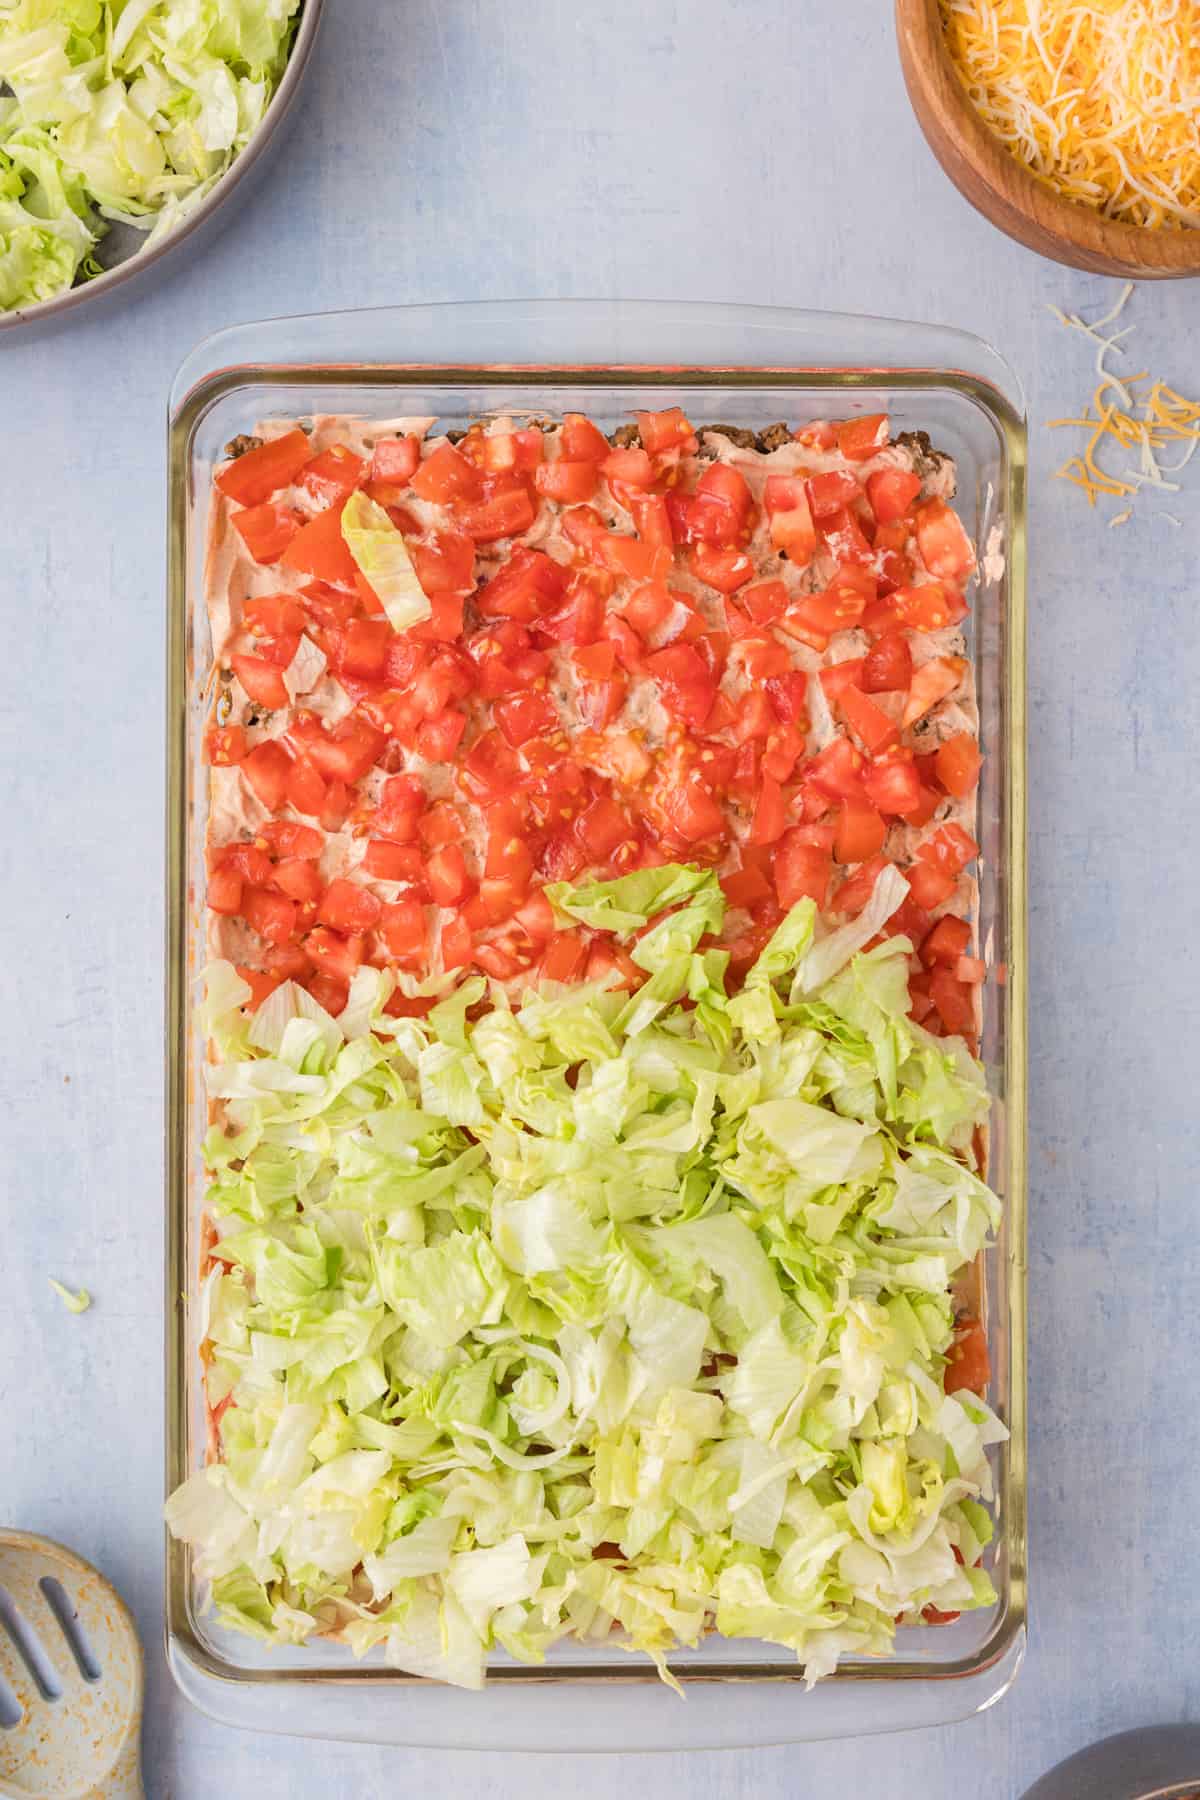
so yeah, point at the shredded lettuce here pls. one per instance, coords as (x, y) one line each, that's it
(585, 1312)
(121, 110)
(380, 551)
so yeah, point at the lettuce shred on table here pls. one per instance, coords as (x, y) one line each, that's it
(595, 1312)
(125, 111)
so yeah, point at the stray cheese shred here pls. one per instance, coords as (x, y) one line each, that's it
(1136, 418)
(1100, 98)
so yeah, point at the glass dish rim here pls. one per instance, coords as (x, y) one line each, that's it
(192, 396)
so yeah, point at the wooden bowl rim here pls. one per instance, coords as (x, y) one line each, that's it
(1009, 182)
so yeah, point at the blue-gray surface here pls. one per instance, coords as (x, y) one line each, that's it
(741, 150)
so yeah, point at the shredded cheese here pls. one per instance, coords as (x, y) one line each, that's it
(1137, 420)
(1100, 98)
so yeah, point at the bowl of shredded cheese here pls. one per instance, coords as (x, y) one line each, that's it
(1074, 125)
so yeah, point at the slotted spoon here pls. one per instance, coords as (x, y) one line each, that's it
(70, 1678)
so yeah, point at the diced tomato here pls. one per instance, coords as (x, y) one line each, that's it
(249, 860)
(789, 694)
(442, 824)
(725, 570)
(347, 907)
(971, 970)
(860, 438)
(307, 790)
(632, 468)
(273, 616)
(335, 956)
(933, 606)
(746, 886)
(224, 746)
(802, 870)
(944, 545)
(446, 875)
(650, 609)
(289, 961)
(756, 717)
(400, 807)
(332, 607)
(497, 960)
(924, 811)
(765, 601)
(446, 475)
(581, 616)
(720, 507)
(266, 768)
(785, 498)
(444, 562)
(664, 430)
(892, 492)
(583, 527)
(438, 738)
(581, 441)
(892, 784)
(404, 931)
(224, 891)
(629, 557)
(364, 648)
(536, 917)
(713, 647)
(829, 494)
(929, 884)
(566, 482)
(396, 459)
(893, 567)
(857, 889)
(504, 515)
(319, 549)
(845, 540)
(346, 752)
(261, 472)
(869, 723)
(283, 837)
(529, 584)
(838, 608)
(692, 811)
(954, 1001)
(651, 520)
(602, 828)
(333, 475)
(860, 832)
(837, 677)
(685, 681)
(267, 530)
(273, 916)
(946, 943)
(958, 763)
(950, 848)
(298, 878)
(491, 769)
(783, 751)
(529, 715)
(932, 682)
(388, 861)
(770, 813)
(513, 452)
(456, 943)
(818, 435)
(564, 957)
(838, 770)
(601, 701)
(887, 666)
(967, 1362)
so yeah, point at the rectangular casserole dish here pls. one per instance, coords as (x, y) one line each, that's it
(746, 367)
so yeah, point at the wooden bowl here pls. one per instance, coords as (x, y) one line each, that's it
(1001, 187)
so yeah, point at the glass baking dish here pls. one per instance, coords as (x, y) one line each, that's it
(745, 366)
